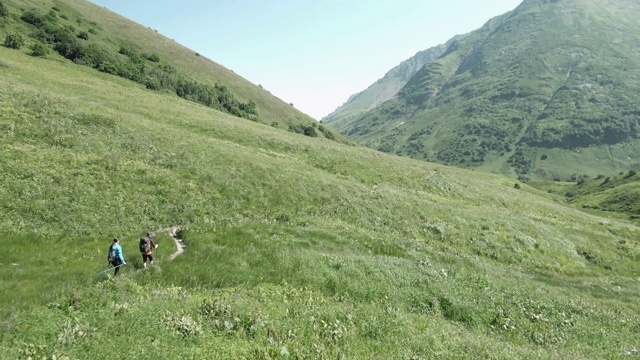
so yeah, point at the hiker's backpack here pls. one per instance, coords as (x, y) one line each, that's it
(145, 245)
(112, 254)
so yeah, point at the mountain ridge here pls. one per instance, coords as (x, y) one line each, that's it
(384, 88)
(540, 82)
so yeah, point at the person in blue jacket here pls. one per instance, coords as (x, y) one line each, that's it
(115, 256)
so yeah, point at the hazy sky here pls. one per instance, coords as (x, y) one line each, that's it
(312, 53)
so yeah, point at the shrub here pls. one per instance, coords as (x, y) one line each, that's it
(39, 49)
(434, 229)
(83, 35)
(305, 130)
(70, 49)
(310, 131)
(93, 55)
(33, 17)
(37, 19)
(152, 57)
(3, 10)
(51, 16)
(183, 324)
(327, 133)
(14, 41)
(152, 84)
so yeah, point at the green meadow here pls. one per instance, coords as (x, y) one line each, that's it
(298, 247)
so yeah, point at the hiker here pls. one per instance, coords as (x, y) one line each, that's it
(115, 256)
(146, 247)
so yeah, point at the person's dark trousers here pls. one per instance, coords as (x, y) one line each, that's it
(116, 263)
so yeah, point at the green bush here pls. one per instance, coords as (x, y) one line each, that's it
(83, 35)
(33, 17)
(327, 133)
(39, 49)
(152, 84)
(3, 10)
(93, 56)
(305, 130)
(14, 41)
(70, 49)
(131, 54)
(152, 57)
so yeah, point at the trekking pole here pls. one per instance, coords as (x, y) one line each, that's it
(109, 269)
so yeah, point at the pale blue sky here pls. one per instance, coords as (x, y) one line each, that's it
(312, 53)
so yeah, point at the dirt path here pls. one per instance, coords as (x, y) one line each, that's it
(180, 245)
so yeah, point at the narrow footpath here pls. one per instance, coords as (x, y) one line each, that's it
(180, 245)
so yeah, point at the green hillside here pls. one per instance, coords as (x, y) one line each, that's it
(615, 195)
(547, 91)
(383, 89)
(93, 36)
(297, 246)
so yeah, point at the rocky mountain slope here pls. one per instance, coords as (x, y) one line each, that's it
(383, 89)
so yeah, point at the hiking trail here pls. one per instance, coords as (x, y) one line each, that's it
(180, 245)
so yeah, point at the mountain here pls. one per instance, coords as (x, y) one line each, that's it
(546, 91)
(383, 89)
(296, 246)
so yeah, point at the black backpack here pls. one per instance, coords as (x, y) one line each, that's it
(112, 254)
(145, 246)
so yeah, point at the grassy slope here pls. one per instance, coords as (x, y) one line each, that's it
(613, 196)
(115, 30)
(296, 245)
(271, 108)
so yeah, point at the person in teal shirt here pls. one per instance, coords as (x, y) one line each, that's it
(116, 258)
